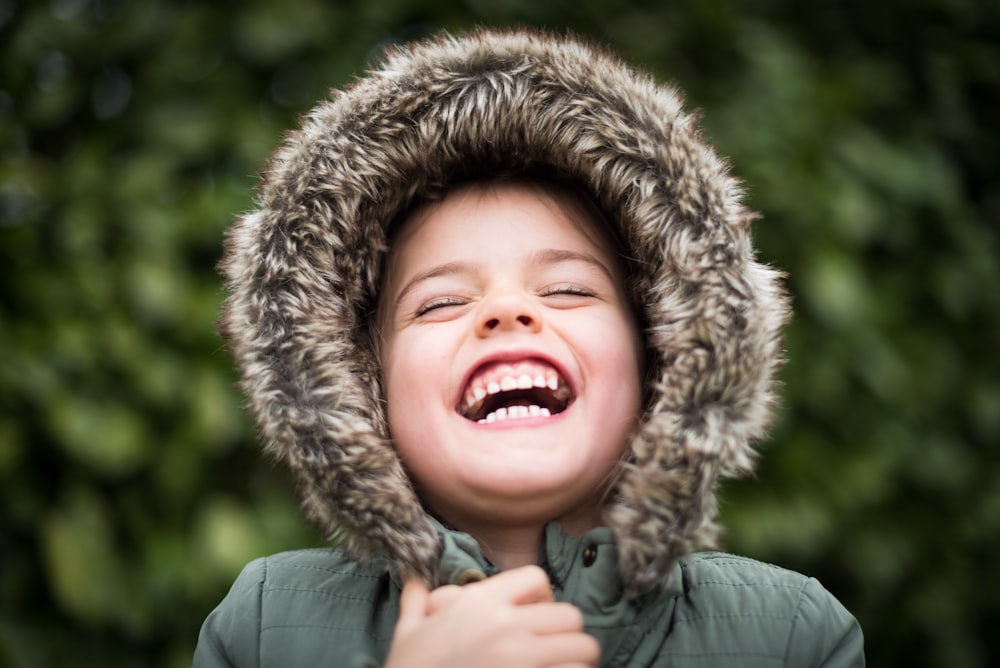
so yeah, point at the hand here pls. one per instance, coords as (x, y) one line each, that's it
(506, 621)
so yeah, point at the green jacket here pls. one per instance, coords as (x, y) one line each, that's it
(316, 608)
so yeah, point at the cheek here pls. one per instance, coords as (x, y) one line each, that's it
(619, 360)
(401, 364)
(632, 351)
(397, 375)
(616, 349)
(407, 429)
(415, 388)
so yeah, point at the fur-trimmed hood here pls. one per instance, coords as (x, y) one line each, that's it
(303, 274)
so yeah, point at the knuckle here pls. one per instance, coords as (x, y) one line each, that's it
(537, 576)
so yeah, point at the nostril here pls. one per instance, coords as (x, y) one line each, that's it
(493, 323)
(507, 312)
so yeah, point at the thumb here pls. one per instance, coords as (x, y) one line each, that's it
(412, 606)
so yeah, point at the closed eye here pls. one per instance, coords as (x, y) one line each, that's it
(437, 304)
(566, 289)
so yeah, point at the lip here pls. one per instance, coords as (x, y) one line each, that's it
(517, 355)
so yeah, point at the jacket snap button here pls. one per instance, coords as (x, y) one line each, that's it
(468, 576)
(589, 555)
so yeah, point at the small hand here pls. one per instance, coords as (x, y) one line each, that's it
(506, 621)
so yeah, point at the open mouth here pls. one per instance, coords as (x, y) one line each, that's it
(505, 391)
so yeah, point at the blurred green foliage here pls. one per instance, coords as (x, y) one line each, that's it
(130, 133)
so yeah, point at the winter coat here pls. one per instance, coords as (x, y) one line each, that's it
(303, 273)
(316, 608)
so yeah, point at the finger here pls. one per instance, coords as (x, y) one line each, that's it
(527, 584)
(567, 649)
(412, 606)
(442, 597)
(551, 618)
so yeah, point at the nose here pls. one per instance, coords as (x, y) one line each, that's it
(508, 311)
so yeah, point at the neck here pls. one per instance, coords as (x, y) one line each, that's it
(510, 546)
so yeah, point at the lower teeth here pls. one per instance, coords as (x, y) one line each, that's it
(515, 412)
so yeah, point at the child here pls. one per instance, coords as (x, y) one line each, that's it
(498, 311)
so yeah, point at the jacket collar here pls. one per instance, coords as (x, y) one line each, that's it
(584, 571)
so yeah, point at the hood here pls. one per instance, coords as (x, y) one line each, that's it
(303, 269)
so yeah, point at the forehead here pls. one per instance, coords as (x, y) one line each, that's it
(551, 213)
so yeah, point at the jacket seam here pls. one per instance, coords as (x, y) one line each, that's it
(746, 562)
(322, 592)
(773, 585)
(328, 627)
(323, 569)
(260, 611)
(765, 615)
(795, 620)
(764, 655)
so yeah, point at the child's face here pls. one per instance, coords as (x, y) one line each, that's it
(500, 286)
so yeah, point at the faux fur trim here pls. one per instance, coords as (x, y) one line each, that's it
(303, 270)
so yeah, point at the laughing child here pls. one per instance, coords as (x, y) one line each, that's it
(499, 313)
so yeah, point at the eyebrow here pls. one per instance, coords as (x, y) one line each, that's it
(541, 258)
(446, 269)
(550, 256)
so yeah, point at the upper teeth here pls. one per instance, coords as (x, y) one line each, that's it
(506, 383)
(527, 377)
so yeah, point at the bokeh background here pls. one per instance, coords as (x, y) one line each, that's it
(131, 132)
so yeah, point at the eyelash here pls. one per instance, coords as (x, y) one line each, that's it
(573, 290)
(440, 302)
